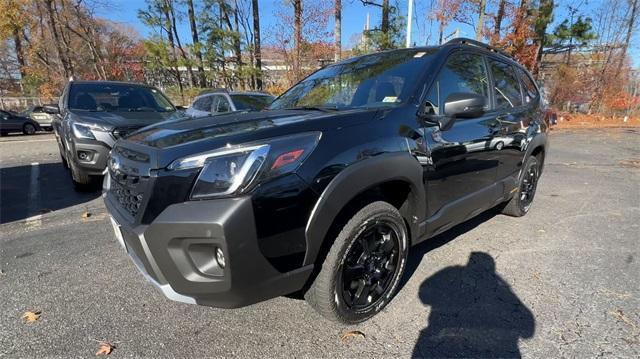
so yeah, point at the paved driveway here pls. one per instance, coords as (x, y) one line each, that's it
(562, 281)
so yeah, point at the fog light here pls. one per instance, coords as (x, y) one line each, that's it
(220, 257)
(85, 155)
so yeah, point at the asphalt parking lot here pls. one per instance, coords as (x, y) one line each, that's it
(561, 282)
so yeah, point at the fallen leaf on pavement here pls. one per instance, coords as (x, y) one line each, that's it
(86, 214)
(31, 316)
(352, 334)
(105, 348)
(618, 314)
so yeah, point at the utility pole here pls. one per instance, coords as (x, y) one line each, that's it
(409, 18)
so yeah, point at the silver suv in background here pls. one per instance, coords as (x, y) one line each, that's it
(38, 114)
(212, 102)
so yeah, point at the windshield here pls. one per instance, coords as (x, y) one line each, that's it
(251, 102)
(117, 97)
(382, 79)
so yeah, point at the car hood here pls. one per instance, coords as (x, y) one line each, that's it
(174, 139)
(123, 119)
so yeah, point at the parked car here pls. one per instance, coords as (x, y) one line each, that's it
(94, 114)
(13, 122)
(217, 101)
(38, 114)
(325, 191)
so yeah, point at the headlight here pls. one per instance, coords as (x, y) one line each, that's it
(82, 131)
(234, 169)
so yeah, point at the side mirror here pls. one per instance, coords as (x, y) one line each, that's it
(464, 105)
(51, 109)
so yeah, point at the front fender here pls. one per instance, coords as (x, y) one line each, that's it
(353, 181)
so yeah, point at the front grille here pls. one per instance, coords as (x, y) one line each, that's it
(129, 198)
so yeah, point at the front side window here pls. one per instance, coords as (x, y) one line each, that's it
(117, 97)
(382, 79)
(463, 73)
(506, 85)
(203, 104)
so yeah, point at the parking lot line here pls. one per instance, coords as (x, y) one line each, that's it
(34, 196)
(26, 141)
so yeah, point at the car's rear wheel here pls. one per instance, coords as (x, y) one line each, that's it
(522, 200)
(28, 129)
(363, 268)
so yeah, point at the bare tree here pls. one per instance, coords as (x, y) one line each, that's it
(498, 22)
(256, 43)
(630, 27)
(297, 13)
(337, 32)
(480, 27)
(196, 43)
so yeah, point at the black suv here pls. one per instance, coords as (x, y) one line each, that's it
(94, 114)
(324, 192)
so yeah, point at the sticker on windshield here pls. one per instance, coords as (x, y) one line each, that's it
(419, 54)
(390, 99)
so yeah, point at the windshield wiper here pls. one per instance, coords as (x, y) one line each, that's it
(314, 108)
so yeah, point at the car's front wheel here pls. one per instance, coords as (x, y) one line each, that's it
(364, 266)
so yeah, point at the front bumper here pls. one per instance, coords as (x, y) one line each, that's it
(99, 153)
(176, 252)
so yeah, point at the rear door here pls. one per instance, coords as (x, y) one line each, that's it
(513, 117)
(464, 163)
(9, 122)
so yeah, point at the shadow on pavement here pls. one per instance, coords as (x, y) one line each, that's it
(53, 190)
(474, 313)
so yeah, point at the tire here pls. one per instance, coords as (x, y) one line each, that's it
(521, 202)
(28, 129)
(82, 182)
(333, 294)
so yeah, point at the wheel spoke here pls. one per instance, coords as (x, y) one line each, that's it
(351, 273)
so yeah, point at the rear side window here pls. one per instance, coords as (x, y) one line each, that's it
(222, 105)
(464, 73)
(530, 91)
(506, 85)
(203, 104)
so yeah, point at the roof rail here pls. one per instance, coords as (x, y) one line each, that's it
(465, 41)
(213, 90)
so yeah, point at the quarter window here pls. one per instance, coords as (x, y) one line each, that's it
(222, 104)
(506, 85)
(465, 73)
(530, 90)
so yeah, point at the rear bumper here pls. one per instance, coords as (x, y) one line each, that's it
(177, 253)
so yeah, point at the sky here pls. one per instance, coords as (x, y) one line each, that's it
(353, 19)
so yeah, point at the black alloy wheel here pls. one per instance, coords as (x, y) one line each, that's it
(369, 266)
(528, 187)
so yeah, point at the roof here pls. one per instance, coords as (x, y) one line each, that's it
(110, 82)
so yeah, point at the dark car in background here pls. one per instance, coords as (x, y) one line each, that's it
(13, 122)
(39, 115)
(92, 115)
(219, 101)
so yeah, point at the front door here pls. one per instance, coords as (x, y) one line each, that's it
(464, 161)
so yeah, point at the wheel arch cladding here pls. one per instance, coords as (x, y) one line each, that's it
(382, 177)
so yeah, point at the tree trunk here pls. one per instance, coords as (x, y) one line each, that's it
(17, 41)
(337, 32)
(625, 46)
(196, 43)
(236, 44)
(297, 10)
(174, 56)
(185, 58)
(384, 26)
(256, 42)
(545, 9)
(66, 66)
(498, 23)
(480, 27)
